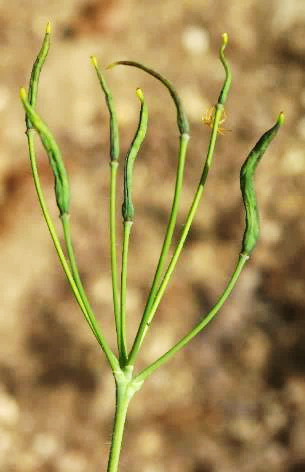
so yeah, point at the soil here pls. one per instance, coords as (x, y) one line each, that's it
(234, 399)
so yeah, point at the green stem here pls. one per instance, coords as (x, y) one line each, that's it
(113, 251)
(114, 156)
(122, 402)
(146, 320)
(126, 387)
(65, 219)
(60, 181)
(200, 326)
(184, 139)
(112, 360)
(127, 230)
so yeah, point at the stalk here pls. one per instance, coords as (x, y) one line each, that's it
(219, 110)
(121, 406)
(113, 251)
(184, 139)
(183, 127)
(128, 212)
(126, 387)
(200, 326)
(147, 318)
(65, 220)
(114, 152)
(112, 360)
(248, 244)
(127, 230)
(62, 192)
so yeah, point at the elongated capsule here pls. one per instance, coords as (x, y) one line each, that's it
(247, 172)
(182, 121)
(62, 190)
(127, 207)
(36, 70)
(114, 129)
(228, 79)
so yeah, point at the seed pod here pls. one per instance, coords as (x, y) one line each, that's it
(114, 130)
(227, 83)
(62, 191)
(127, 207)
(36, 70)
(247, 172)
(182, 120)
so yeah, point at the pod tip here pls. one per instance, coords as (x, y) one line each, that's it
(22, 93)
(281, 118)
(140, 94)
(48, 28)
(225, 38)
(94, 61)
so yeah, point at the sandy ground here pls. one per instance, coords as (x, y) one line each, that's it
(234, 400)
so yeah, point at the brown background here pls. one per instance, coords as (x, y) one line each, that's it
(235, 398)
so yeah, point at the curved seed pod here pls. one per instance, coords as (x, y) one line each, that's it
(227, 83)
(182, 120)
(62, 191)
(247, 172)
(36, 70)
(127, 207)
(114, 130)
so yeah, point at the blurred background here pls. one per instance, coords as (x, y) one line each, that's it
(234, 399)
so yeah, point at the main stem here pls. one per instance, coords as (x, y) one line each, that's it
(126, 387)
(122, 402)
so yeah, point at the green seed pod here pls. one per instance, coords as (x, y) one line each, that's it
(36, 70)
(114, 129)
(182, 120)
(62, 191)
(247, 172)
(227, 83)
(127, 207)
